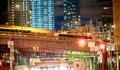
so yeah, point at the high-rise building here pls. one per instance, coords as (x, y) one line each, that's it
(71, 13)
(42, 14)
(19, 12)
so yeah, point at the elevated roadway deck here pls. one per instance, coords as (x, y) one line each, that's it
(24, 42)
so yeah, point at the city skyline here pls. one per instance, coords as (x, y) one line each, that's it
(87, 10)
(94, 44)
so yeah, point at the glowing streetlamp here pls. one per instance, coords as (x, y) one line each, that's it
(81, 42)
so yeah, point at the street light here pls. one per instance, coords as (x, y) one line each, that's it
(102, 46)
(113, 26)
(82, 42)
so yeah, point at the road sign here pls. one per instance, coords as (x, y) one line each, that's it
(10, 44)
(77, 65)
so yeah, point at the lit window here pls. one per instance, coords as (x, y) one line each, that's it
(12, 15)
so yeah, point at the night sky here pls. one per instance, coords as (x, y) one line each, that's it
(3, 11)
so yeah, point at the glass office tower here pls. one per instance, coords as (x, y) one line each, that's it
(42, 14)
(71, 14)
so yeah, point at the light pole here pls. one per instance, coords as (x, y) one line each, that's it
(104, 55)
(110, 48)
(10, 45)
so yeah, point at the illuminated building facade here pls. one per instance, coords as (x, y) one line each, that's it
(42, 14)
(19, 12)
(71, 13)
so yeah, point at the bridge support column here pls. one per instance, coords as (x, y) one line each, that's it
(91, 63)
(11, 60)
(94, 63)
(10, 45)
(116, 21)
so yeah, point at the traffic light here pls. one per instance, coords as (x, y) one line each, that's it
(35, 48)
(83, 56)
(81, 42)
(72, 56)
(103, 47)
